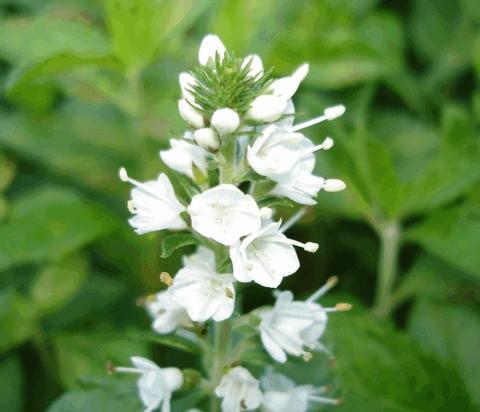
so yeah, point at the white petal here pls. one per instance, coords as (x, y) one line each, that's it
(173, 378)
(183, 155)
(190, 115)
(143, 363)
(210, 47)
(273, 348)
(267, 108)
(207, 139)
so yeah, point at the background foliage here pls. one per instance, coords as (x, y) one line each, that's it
(89, 86)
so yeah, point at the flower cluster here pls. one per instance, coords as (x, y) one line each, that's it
(242, 149)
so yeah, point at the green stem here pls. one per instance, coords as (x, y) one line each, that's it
(220, 358)
(389, 233)
(228, 161)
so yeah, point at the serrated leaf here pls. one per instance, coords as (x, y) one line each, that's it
(174, 241)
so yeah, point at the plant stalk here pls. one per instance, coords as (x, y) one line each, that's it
(389, 233)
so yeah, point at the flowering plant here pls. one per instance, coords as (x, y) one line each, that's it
(242, 153)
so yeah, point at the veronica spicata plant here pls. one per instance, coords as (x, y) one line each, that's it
(241, 151)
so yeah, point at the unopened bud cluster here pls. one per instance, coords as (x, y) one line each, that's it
(241, 149)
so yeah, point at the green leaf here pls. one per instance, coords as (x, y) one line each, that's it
(453, 235)
(139, 27)
(387, 371)
(172, 340)
(57, 283)
(97, 400)
(7, 171)
(80, 355)
(17, 319)
(452, 332)
(174, 241)
(57, 221)
(11, 384)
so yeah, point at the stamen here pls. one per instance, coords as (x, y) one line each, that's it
(166, 278)
(309, 246)
(293, 219)
(331, 282)
(122, 173)
(327, 144)
(130, 207)
(307, 356)
(330, 113)
(322, 399)
(339, 307)
(127, 370)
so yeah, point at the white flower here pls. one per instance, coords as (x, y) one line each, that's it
(190, 115)
(207, 139)
(240, 391)
(256, 65)
(166, 314)
(282, 395)
(286, 87)
(210, 47)
(154, 205)
(267, 108)
(225, 121)
(266, 256)
(224, 213)
(291, 326)
(183, 155)
(156, 385)
(202, 291)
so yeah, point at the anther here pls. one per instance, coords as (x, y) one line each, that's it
(122, 173)
(166, 278)
(343, 307)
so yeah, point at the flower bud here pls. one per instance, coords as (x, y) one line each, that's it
(267, 108)
(225, 121)
(187, 83)
(207, 139)
(190, 115)
(211, 47)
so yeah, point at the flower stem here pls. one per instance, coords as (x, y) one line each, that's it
(389, 232)
(228, 159)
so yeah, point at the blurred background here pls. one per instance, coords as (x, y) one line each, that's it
(88, 86)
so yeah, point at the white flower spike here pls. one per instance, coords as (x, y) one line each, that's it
(266, 256)
(202, 291)
(190, 115)
(291, 326)
(224, 214)
(154, 204)
(240, 391)
(167, 315)
(282, 395)
(156, 385)
(210, 47)
(183, 155)
(225, 121)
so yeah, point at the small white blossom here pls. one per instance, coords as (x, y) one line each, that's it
(280, 394)
(210, 47)
(202, 291)
(266, 256)
(156, 385)
(286, 87)
(167, 315)
(225, 121)
(256, 65)
(154, 204)
(207, 139)
(187, 83)
(240, 391)
(192, 116)
(224, 213)
(183, 155)
(291, 326)
(267, 108)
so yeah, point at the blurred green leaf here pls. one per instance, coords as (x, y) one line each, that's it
(453, 235)
(58, 221)
(57, 283)
(11, 384)
(7, 171)
(80, 355)
(174, 340)
(138, 27)
(452, 333)
(17, 319)
(383, 370)
(174, 241)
